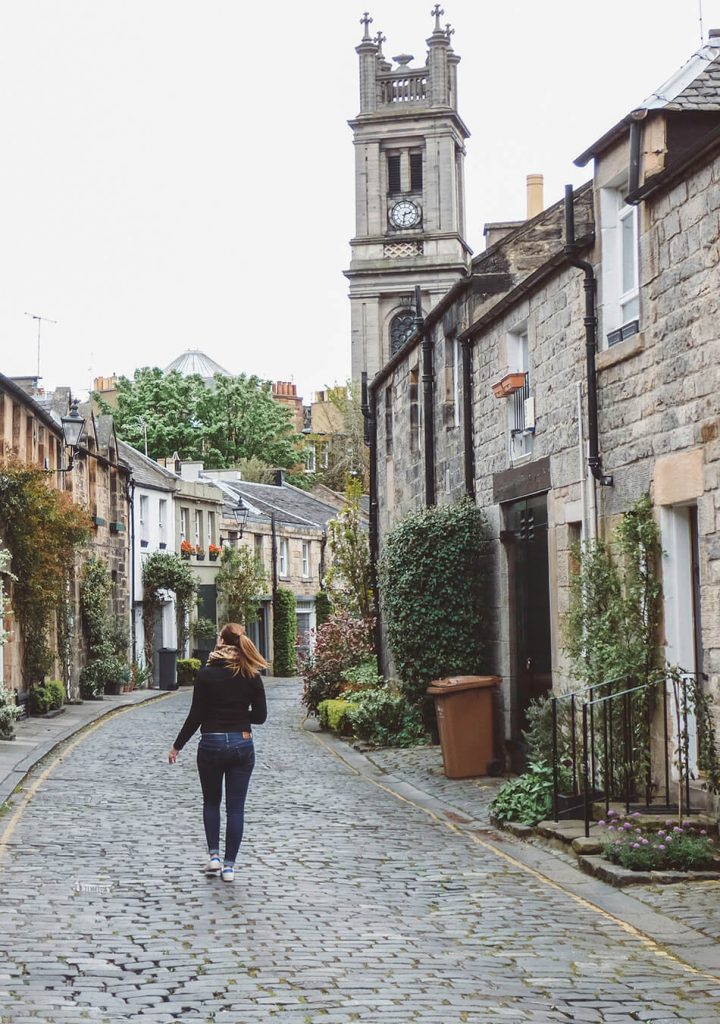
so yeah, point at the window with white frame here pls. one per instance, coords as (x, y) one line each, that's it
(144, 505)
(310, 458)
(211, 531)
(162, 517)
(283, 558)
(306, 559)
(620, 316)
(520, 403)
(184, 523)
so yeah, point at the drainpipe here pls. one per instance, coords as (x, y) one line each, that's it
(133, 574)
(273, 539)
(590, 321)
(428, 420)
(468, 441)
(634, 168)
(368, 400)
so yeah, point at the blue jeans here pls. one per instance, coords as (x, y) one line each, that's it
(227, 756)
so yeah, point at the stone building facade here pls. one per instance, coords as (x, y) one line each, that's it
(510, 377)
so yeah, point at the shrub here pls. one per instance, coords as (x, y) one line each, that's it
(56, 693)
(672, 848)
(9, 711)
(38, 700)
(204, 631)
(333, 715)
(363, 675)
(105, 670)
(323, 608)
(383, 718)
(432, 575)
(284, 632)
(187, 669)
(240, 581)
(527, 799)
(342, 643)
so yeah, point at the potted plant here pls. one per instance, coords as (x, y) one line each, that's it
(200, 553)
(214, 552)
(139, 675)
(204, 633)
(187, 669)
(186, 549)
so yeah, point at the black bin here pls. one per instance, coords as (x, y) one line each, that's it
(167, 664)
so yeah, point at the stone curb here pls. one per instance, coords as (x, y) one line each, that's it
(21, 770)
(688, 945)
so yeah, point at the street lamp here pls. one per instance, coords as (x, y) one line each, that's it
(72, 428)
(240, 514)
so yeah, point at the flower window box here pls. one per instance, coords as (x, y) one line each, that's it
(509, 384)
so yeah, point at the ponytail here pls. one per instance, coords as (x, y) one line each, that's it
(238, 652)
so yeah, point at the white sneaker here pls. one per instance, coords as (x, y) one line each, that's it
(214, 864)
(228, 874)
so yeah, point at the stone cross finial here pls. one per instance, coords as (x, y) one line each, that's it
(449, 32)
(379, 40)
(366, 20)
(437, 12)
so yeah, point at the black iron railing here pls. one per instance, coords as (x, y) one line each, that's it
(624, 733)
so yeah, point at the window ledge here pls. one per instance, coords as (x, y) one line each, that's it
(620, 352)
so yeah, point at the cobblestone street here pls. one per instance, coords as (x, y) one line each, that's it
(350, 904)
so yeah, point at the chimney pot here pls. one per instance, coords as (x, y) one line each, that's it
(714, 36)
(535, 201)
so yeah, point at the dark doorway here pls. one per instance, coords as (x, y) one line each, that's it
(526, 540)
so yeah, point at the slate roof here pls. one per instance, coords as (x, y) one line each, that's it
(145, 471)
(693, 87)
(291, 505)
(194, 361)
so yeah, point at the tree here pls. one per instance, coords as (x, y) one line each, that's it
(235, 419)
(349, 578)
(240, 582)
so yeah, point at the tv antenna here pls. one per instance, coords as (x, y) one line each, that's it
(40, 320)
(702, 30)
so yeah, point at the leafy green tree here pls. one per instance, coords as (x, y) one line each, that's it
(235, 419)
(349, 578)
(240, 582)
(347, 454)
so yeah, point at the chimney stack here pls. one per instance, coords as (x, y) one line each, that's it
(535, 202)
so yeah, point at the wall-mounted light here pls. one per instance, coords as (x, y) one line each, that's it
(72, 428)
(240, 514)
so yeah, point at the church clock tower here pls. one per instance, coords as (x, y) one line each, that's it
(409, 193)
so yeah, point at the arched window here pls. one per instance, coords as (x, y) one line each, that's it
(401, 327)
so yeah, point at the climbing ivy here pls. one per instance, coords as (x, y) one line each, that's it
(284, 632)
(42, 529)
(164, 570)
(433, 579)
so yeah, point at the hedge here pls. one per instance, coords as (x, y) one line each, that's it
(284, 633)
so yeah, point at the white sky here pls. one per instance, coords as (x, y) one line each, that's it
(179, 174)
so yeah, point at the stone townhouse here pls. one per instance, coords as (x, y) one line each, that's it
(494, 394)
(31, 431)
(152, 528)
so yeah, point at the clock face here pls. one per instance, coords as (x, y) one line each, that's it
(405, 214)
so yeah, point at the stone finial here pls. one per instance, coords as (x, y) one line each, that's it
(437, 13)
(366, 20)
(449, 32)
(379, 40)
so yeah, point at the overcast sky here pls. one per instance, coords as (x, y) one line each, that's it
(179, 174)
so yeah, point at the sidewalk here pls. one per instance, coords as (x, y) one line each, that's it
(683, 917)
(36, 737)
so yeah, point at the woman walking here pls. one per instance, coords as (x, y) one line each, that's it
(228, 699)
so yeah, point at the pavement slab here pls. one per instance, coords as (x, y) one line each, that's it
(356, 898)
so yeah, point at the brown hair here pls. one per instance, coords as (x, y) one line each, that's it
(238, 652)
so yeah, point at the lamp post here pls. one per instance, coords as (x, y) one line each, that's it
(72, 428)
(240, 514)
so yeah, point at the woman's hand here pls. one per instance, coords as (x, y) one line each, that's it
(172, 756)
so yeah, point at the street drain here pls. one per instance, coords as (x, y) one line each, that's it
(92, 888)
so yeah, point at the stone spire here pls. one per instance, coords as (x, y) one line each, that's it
(368, 53)
(439, 85)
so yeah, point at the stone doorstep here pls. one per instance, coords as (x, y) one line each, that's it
(569, 837)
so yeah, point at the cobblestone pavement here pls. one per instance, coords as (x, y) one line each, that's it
(696, 904)
(350, 905)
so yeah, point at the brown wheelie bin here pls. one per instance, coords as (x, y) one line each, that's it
(464, 710)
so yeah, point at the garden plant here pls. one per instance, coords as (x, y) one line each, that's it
(674, 847)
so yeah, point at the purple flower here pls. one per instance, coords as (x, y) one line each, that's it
(679, 830)
(612, 814)
(660, 846)
(635, 846)
(639, 830)
(635, 814)
(703, 832)
(626, 825)
(661, 833)
(687, 824)
(601, 823)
